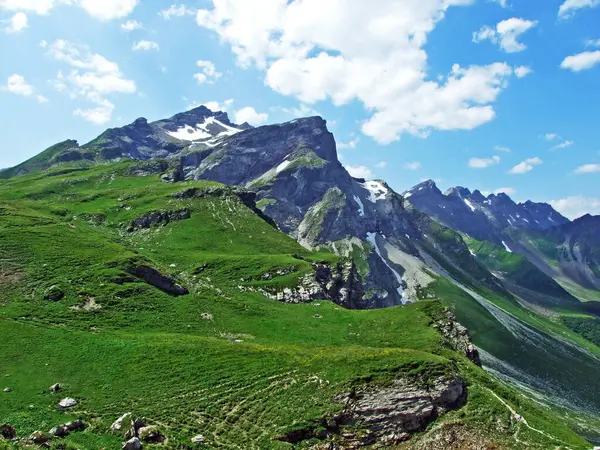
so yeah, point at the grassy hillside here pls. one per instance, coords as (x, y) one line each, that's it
(222, 361)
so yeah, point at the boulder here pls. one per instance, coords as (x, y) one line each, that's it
(54, 294)
(59, 431)
(7, 431)
(151, 435)
(154, 278)
(159, 218)
(198, 439)
(76, 425)
(7, 389)
(55, 387)
(125, 421)
(132, 444)
(66, 403)
(39, 437)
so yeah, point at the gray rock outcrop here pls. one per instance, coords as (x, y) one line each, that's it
(158, 218)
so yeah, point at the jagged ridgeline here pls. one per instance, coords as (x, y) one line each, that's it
(225, 286)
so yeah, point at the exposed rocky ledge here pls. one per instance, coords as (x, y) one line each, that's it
(457, 336)
(384, 415)
(158, 218)
(339, 283)
(154, 278)
(246, 197)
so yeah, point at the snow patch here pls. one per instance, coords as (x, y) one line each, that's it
(361, 207)
(200, 131)
(188, 133)
(408, 194)
(372, 239)
(506, 247)
(377, 191)
(281, 167)
(469, 204)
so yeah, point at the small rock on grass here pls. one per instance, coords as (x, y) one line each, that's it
(7, 431)
(67, 403)
(118, 424)
(7, 389)
(132, 444)
(54, 294)
(55, 387)
(198, 439)
(76, 425)
(39, 437)
(151, 434)
(59, 431)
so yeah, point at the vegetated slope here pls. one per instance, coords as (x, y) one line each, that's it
(137, 296)
(392, 253)
(522, 276)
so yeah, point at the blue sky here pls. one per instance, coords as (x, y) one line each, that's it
(488, 94)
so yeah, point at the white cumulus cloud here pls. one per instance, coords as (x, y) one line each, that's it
(99, 9)
(522, 71)
(92, 78)
(350, 144)
(483, 163)
(581, 61)
(208, 72)
(216, 106)
(249, 114)
(563, 145)
(176, 11)
(576, 206)
(371, 54)
(381, 164)
(131, 25)
(587, 168)
(569, 7)
(506, 34)
(526, 166)
(359, 172)
(145, 46)
(416, 165)
(17, 23)
(17, 85)
(551, 136)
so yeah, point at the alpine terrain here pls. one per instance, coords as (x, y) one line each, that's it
(194, 283)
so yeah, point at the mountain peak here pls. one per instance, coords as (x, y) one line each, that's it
(458, 191)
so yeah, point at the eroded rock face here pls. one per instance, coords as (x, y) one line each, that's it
(386, 415)
(457, 336)
(158, 218)
(340, 283)
(402, 407)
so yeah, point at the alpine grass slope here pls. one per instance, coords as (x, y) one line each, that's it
(153, 271)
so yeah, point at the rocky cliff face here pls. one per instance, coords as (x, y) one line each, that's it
(296, 177)
(577, 249)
